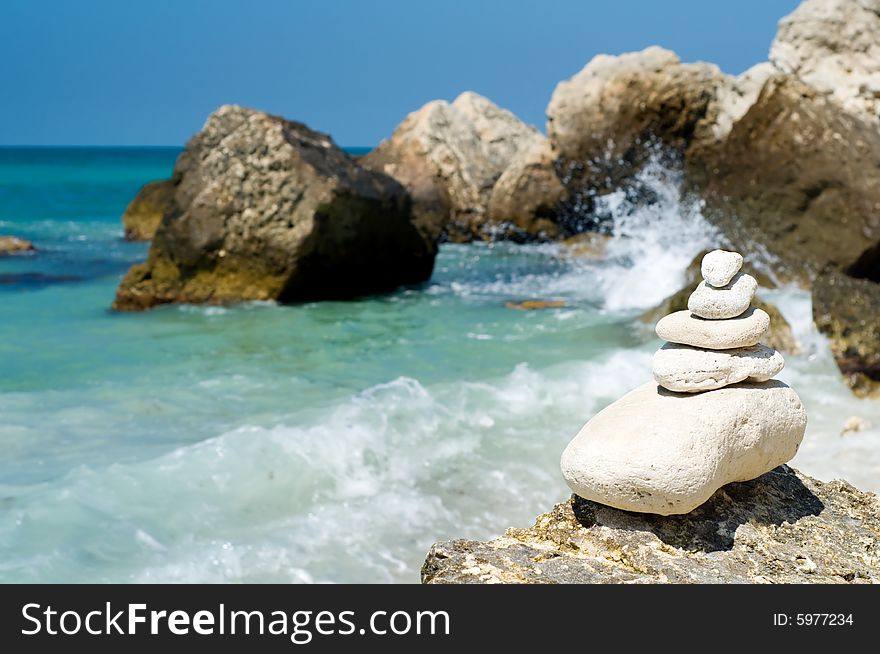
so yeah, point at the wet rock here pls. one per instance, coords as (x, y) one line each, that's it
(143, 214)
(783, 527)
(847, 311)
(267, 209)
(15, 245)
(534, 305)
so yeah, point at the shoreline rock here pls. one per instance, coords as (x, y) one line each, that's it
(783, 527)
(268, 209)
(144, 213)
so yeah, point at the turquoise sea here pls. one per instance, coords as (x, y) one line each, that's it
(323, 442)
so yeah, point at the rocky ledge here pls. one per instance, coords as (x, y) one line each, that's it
(783, 527)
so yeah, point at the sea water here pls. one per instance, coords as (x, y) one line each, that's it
(324, 442)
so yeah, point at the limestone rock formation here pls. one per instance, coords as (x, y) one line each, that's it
(449, 156)
(15, 245)
(797, 178)
(783, 527)
(267, 209)
(742, 331)
(834, 46)
(686, 369)
(143, 214)
(601, 120)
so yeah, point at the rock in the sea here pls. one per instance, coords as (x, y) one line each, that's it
(847, 311)
(687, 329)
(267, 209)
(834, 46)
(535, 305)
(684, 369)
(728, 301)
(528, 193)
(655, 451)
(783, 527)
(449, 157)
(601, 120)
(15, 245)
(143, 214)
(719, 266)
(796, 178)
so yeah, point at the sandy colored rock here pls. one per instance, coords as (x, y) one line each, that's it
(268, 209)
(144, 214)
(685, 369)
(719, 266)
(535, 305)
(449, 156)
(15, 245)
(654, 451)
(528, 193)
(687, 329)
(605, 120)
(728, 301)
(783, 527)
(834, 46)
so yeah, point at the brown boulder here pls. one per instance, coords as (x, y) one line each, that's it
(267, 209)
(15, 245)
(143, 214)
(449, 156)
(847, 311)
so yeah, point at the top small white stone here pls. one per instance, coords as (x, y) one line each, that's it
(719, 267)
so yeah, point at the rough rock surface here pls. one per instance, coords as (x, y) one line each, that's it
(728, 301)
(267, 209)
(847, 310)
(656, 451)
(796, 178)
(687, 370)
(834, 46)
(144, 214)
(15, 245)
(687, 329)
(600, 120)
(528, 193)
(449, 157)
(782, 527)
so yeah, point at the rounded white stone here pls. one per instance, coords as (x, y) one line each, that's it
(685, 369)
(719, 266)
(728, 301)
(685, 328)
(654, 451)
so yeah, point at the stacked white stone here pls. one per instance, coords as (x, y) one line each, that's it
(716, 342)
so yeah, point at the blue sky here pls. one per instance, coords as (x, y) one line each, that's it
(128, 72)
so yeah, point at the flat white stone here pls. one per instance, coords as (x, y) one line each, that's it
(728, 301)
(685, 369)
(685, 328)
(654, 451)
(719, 266)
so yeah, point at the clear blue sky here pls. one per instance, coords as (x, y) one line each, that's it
(129, 72)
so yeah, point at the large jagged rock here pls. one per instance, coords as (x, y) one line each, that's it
(267, 209)
(847, 310)
(796, 178)
(144, 214)
(15, 245)
(605, 121)
(449, 156)
(782, 527)
(834, 46)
